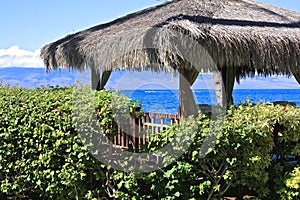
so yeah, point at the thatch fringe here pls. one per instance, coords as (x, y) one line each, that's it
(249, 36)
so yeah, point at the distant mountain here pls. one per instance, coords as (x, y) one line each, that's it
(34, 77)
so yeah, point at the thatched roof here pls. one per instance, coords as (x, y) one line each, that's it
(244, 34)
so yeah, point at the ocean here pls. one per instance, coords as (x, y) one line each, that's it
(161, 101)
(167, 101)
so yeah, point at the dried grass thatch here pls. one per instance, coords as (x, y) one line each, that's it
(243, 34)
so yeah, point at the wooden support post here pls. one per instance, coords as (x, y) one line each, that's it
(224, 83)
(104, 78)
(98, 82)
(187, 105)
(95, 76)
(220, 89)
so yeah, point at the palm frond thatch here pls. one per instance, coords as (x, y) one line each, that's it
(243, 34)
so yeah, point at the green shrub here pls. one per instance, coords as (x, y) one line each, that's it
(241, 160)
(291, 185)
(43, 156)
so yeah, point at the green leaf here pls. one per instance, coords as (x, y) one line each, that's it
(177, 194)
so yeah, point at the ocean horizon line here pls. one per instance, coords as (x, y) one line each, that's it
(201, 89)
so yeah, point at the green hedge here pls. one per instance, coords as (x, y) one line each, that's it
(243, 161)
(42, 156)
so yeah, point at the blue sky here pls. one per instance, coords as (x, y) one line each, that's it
(28, 25)
(32, 23)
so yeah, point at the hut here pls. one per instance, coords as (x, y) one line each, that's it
(231, 38)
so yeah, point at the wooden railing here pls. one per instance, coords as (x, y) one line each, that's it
(137, 131)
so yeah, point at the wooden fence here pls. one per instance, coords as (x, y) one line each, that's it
(137, 131)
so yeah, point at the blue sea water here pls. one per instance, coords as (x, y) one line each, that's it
(162, 101)
(167, 101)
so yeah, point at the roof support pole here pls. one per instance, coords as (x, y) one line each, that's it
(224, 83)
(95, 75)
(97, 82)
(104, 78)
(187, 104)
(296, 73)
(219, 88)
(228, 76)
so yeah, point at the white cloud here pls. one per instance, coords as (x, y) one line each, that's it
(16, 57)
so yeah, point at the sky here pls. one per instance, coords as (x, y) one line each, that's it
(25, 26)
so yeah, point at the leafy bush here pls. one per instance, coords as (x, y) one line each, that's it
(291, 188)
(242, 161)
(42, 156)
